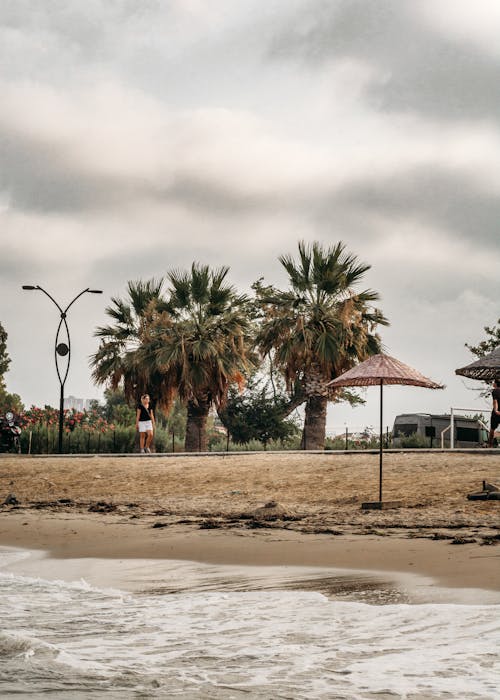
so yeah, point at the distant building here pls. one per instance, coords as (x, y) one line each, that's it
(77, 404)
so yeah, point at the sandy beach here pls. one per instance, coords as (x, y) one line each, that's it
(273, 509)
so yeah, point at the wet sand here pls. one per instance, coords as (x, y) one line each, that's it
(212, 510)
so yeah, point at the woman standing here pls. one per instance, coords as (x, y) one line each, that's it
(144, 423)
(495, 414)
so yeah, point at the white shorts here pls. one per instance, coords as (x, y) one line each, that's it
(145, 426)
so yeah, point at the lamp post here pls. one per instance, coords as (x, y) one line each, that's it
(62, 349)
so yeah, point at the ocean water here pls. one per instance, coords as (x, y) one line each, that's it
(76, 640)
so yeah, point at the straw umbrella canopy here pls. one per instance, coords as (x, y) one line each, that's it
(486, 368)
(380, 370)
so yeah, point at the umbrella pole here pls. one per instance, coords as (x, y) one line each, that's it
(381, 439)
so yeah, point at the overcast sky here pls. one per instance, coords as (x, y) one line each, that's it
(136, 137)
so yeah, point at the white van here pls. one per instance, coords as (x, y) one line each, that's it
(468, 431)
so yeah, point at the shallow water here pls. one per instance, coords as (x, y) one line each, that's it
(77, 640)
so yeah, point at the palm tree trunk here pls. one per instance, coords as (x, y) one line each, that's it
(313, 436)
(196, 427)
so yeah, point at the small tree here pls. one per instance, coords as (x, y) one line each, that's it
(117, 409)
(8, 402)
(254, 415)
(491, 343)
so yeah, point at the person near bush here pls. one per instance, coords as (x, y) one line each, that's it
(495, 414)
(145, 423)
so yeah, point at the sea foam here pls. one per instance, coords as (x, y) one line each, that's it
(83, 641)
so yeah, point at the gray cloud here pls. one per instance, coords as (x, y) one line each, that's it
(203, 194)
(415, 68)
(86, 29)
(39, 176)
(438, 197)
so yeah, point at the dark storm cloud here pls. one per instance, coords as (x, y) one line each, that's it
(435, 196)
(203, 194)
(39, 176)
(415, 68)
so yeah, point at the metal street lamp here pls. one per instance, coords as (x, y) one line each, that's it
(62, 349)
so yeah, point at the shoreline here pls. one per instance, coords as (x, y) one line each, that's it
(69, 537)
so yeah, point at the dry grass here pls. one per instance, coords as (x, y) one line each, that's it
(325, 488)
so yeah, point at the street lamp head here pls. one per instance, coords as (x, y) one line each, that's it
(29, 286)
(94, 291)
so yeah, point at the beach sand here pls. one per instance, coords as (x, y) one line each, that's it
(212, 510)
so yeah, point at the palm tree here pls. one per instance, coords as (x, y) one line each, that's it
(199, 344)
(115, 362)
(318, 328)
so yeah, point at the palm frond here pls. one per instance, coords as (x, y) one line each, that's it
(180, 290)
(321, 323)
(141, 293)
(200, 283)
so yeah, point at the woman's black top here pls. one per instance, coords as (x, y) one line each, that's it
(495, 418)
(145, 414)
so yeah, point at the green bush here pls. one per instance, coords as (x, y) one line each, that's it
(220, 445)
(336, 443)
(163, 441)
(45, 440)
(122, 439)
(414, 441)
(81, 441)
(339, 443)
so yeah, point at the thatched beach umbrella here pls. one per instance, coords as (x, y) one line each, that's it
(486, 368)
(380, 370)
